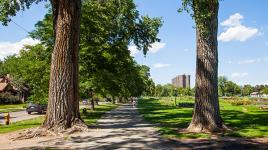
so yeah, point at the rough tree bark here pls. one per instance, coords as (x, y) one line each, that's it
(63, 104)
(206, 116)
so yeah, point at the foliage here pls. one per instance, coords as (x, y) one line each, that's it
(247, 90)
(200, 11)
(9, 8)
(169, 90)
(238, 102)
(229, 88)
(222, 81)
(105, 61)
(30, 67)
(265, 90)
(107, 29)
(7, 97)
(232, 89)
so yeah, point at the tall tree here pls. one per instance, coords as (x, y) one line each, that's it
(222, 81)
(63, 105)
(206, 115)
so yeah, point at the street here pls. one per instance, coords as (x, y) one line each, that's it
(19, 116)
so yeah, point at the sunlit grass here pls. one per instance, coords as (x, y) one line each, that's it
(12, 108)
(90, 118)
(244, 120)
(31, 123)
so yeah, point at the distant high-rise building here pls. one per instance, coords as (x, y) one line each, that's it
(182, 81)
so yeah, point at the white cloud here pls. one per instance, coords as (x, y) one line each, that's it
(233, 20)
(239, 75)
(133, 50)
(9, 48)
(160, 65)
(237, 33)
(155, 47)
(235, 30)
(251, 61)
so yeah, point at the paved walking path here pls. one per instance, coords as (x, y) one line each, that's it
(122, 128)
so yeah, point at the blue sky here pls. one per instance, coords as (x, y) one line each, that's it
(243, 40)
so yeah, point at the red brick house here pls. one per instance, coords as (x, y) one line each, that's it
(10, 91)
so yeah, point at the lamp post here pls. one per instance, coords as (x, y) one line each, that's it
(175, 95)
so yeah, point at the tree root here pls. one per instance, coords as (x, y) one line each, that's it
(199, 128)
(52, 132)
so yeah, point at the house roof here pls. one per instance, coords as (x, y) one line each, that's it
(254, 93)
(3, 86)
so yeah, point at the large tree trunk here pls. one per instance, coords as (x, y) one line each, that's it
(206, 116)
(63, 104)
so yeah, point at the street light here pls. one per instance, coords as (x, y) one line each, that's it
(175, 91)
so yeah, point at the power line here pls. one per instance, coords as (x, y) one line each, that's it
(21, 27)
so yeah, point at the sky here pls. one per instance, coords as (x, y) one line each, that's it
(242, 40)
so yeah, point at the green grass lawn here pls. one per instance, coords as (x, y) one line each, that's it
(12, 108)
(90, 118)
(244, 120)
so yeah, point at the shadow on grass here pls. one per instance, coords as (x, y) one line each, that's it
(91, 116)
(170, 120)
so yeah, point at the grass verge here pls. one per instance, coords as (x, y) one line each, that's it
(90, 118)
(12, 108)
(244, 120)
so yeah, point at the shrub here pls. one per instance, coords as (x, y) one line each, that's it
(8, 98)
(238, 102)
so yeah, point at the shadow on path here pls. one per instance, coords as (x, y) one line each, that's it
(124, 128)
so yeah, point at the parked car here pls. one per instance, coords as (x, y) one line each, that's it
(39, 108)
(85, 102)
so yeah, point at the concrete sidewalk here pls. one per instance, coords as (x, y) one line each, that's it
(122, 128)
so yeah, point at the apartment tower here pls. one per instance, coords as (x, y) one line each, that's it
(181, 81)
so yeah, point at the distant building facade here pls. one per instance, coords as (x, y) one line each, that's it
(181, 81)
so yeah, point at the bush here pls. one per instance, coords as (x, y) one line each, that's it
(238, 102)
(8, 98)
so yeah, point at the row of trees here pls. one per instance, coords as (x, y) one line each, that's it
(169, 90)
(225, 86)
(105, 29)
(105, 62)
(229, 88)
(63, 105)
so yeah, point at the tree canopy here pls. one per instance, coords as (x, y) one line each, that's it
(105, 63)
